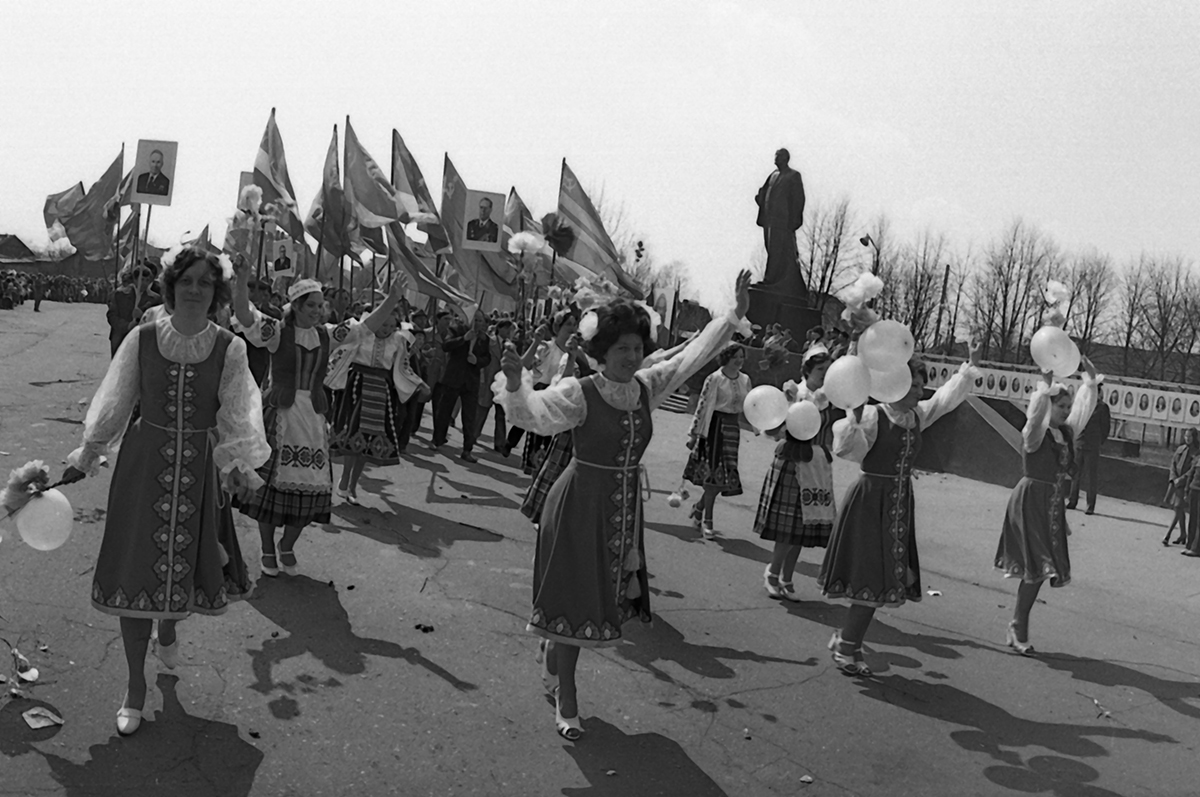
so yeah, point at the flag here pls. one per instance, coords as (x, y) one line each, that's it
(203, 241)
(58, 207)
(593, 249)
(127, 237)
(271, 175)
(329, 219)
(368, 191)
(126, 188)
(480, 271)
(422, 278)
(416, 203)
(90, 224)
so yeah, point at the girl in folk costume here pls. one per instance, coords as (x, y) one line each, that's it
(589, 566)
(1033, 544)
(546, 359)
(872, 559)
(714, 435)
(796, 507)
(372, 382)
(1177, 484)
(562, 448)
(169, 546)
(298, 482)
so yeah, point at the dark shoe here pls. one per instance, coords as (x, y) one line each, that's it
(1189, 552)
(467, 456)
(1090, 511)
(1071, 506)
(1178, 541)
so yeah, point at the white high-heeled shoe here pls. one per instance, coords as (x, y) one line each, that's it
(128, 719)
(774, 590)
(567, 727)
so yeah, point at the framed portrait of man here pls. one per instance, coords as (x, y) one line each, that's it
(485, 217)
(154, 172)
(281, 261)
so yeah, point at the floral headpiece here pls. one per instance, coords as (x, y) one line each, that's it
(592, 294)
(226, 265)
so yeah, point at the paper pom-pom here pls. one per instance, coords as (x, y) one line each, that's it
(23, 483)
(250, 200)
(526, 243)
(168, 258)
(1056, 292)
(862, 290)
(226, 266)
(588, 325)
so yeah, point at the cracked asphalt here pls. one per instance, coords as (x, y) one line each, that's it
(323, 684)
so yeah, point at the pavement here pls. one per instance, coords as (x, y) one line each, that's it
(398, 663)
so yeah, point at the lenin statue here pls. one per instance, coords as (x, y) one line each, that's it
(780, 214)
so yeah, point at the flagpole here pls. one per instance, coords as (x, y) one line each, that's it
(320, 246)
(117, 249)
(149, 213)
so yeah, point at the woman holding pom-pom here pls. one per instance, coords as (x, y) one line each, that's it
(589, 567)
(872, 560)
(1033, 543)
(796, 507)
(714, 435)
(169, 546)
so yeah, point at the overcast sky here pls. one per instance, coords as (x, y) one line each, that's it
(1082, 117)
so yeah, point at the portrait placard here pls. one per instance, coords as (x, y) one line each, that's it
(484, 218)
(281, 258)
(154, 172)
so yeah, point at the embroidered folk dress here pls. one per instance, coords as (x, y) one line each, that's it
(371, 384)
(169, 546)
(714, 457)
(1033, 542)
(590, 565)
(872, 554)
(298, 477)
(796, 505)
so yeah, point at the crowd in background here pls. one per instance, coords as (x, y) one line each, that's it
(19, 287)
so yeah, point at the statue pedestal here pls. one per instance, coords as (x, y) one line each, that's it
(790, 312)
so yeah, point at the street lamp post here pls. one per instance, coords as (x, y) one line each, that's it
(867, 240)
(937, 328)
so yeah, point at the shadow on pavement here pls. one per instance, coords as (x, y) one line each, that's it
(317, 624)
(172, 753)
(1172, 694)
(994, 731)
(414, 531)
(1062, 777)
(664, 642)
(642, 765)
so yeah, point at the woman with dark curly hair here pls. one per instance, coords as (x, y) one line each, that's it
(590, 567)
(169, 546)
(714, 435)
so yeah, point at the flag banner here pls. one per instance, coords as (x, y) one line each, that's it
(422, 276)
(479, 271)
(329, 219)
(593, 249)
(58, 207)
(91, 223)
(371, 196)
(1127, 400)
(271, 175)
(411, 191)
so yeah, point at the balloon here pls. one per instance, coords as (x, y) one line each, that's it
(766, 407)
(803, 420)
(893, 385)
(886, 345)
(45, 522)
(848, 382)
(1069, 364)
(1051, 349)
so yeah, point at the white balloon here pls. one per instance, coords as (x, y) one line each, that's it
(848, 382)
(893, 385)
(886, 345)
(46, 521)
(1051, 348)
(1069, 364)
(803, 420)
(766, 407)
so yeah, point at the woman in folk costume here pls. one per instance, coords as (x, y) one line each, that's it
(169, 546)
(714, 435)
(1177, 484)
(589, 567)
(796, 507)
(546, 359)
(872, 559)
(298, 487)
(1033, 544)
(562, 447)
(372, 382)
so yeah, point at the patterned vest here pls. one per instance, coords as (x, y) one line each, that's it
(289, 374)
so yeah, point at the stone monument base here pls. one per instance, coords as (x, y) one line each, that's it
(790, 312)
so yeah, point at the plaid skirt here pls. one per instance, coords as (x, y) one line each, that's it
(558, 456)
(292, 503)
(714, 460)
(782, 505)
(534, 454)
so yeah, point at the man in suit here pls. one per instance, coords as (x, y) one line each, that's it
(483, 228)
(468, 353)
(501, 335)
(780, 214)
(154, 182)
(283, 262)
(1088, 445)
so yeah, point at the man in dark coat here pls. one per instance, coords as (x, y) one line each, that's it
(1088, 446)
(483, 228)
(154, 182)
(468, 353)
(780, 214)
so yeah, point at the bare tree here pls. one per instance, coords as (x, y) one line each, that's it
(1092, 280)
(1134, 288)
(823, 256)
(1168, 286)
(915, 286)
(1006, 292)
